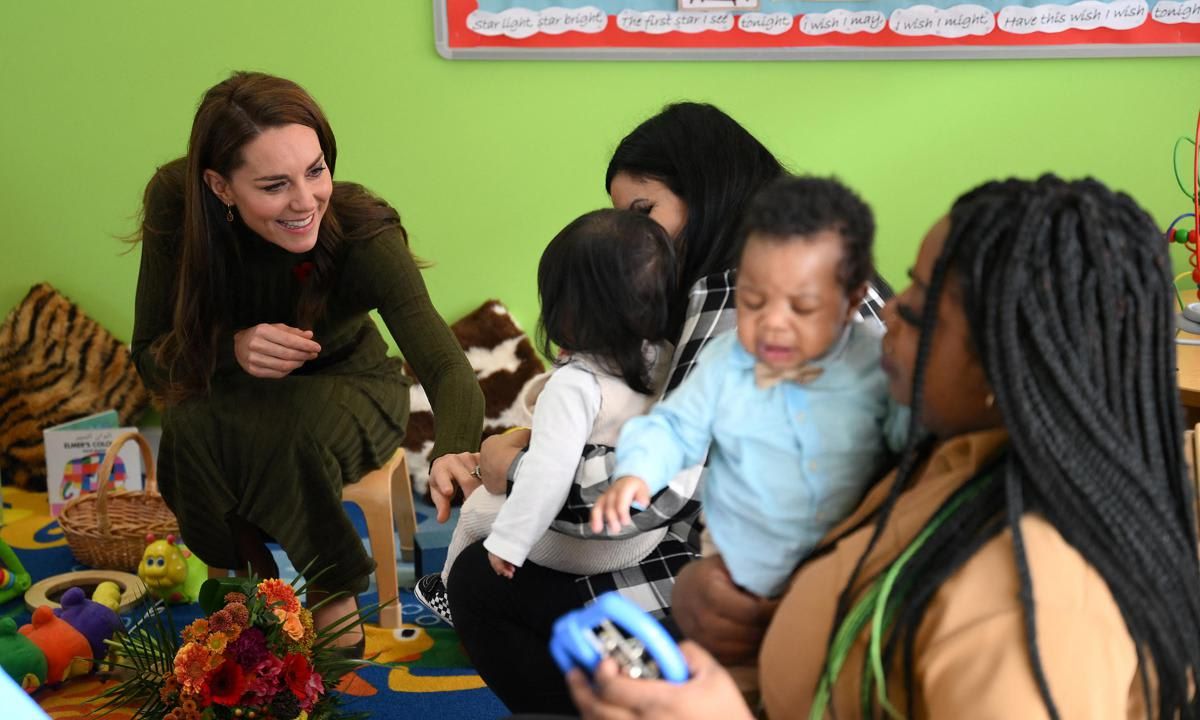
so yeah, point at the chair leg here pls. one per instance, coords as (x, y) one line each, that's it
(383, 549)
(405, 513)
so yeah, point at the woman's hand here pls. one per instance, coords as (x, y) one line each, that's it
(496, 455)
(710, 693)
(502, 567)
(713, 611)
(273, 350)
(448, 471)
(612, 508)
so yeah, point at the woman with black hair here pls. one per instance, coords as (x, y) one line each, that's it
(1036, 556)
(693, 169)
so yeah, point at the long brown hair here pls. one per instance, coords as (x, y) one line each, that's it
(231, 114)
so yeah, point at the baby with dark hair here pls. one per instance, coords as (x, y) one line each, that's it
(605, 284)
(791, 408)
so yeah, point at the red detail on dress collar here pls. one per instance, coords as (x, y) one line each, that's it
(303, 270)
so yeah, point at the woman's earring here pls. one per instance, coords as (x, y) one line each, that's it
(229, 213)
(990, 400)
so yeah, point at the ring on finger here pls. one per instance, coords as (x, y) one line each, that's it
(477, 473)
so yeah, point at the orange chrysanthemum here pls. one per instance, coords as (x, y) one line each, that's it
(217, 642)
(169, 689)
(277, 593)
(191, 667)
(196, 632)
(222, 622)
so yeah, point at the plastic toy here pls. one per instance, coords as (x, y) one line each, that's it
(171, 572)
(1189, 239)
(14, 581)
(615, 627)
(108, 594)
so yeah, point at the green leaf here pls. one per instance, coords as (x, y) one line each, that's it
(214, 590)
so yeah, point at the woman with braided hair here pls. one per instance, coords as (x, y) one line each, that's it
(1035, 555)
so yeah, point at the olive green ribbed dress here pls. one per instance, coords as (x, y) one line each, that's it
(277, 452)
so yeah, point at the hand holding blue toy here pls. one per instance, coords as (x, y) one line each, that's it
(615, 627)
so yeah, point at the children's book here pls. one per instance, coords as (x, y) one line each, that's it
(75, 451)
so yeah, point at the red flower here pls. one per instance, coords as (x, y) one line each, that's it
(227, 684)
(296, 672)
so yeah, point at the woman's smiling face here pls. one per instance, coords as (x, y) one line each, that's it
(281, 189)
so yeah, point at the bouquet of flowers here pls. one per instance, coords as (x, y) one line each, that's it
(256, 656)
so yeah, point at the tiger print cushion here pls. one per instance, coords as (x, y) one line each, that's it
(56, 364)
(503, 360)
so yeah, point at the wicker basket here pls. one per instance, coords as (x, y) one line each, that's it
(107, 529)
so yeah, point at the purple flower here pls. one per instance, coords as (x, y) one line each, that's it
(250, 648)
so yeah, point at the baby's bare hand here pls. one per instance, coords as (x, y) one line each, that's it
(502, 567)
(612, 509)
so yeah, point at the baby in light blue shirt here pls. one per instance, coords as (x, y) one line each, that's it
(791, 408)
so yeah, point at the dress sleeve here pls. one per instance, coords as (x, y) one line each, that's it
(563, 418)
(383, 270)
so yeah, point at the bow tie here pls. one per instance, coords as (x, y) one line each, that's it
(766, 376)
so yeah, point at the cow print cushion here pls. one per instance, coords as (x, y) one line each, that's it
(503, 360)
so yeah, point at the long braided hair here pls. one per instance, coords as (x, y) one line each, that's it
(1067, 291)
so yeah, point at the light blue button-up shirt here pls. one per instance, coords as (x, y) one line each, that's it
(786, 463)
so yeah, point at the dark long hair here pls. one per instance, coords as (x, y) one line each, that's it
(231, 114)
(1067, 290)
(605, 283)
(714, 165)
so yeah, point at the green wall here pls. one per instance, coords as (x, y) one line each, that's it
(487, 160)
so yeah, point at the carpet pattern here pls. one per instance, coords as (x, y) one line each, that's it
(430, 676)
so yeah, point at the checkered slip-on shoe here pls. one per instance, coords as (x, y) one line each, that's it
(431, 591)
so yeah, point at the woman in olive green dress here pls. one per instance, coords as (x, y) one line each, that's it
(251, 325)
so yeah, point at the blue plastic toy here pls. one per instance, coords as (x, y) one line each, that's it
(615, 627)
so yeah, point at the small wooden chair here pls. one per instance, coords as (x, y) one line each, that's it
(386, 500)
